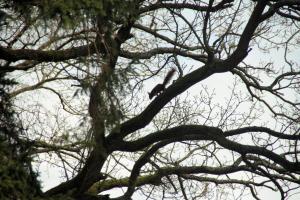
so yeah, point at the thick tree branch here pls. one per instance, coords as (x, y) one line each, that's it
(275, 8)
(90, 173)
(194, 132)
(258, 129)
(47, 56)
(158, 103)
(163, 50)
(155, 178)
(242, 48)
(222, 5)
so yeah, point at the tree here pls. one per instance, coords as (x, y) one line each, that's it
(18, 179)
(84, 68)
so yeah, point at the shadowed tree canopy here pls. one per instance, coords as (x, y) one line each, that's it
(225, 127)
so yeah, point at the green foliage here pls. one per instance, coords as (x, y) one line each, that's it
(116, 11)
(6, 122)
(17, 180)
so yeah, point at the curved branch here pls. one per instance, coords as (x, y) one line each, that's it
(194, 132)
(162, 50)
(261, 129)
(35, 86)
(242, 48)
(275, 8)
(158, 103)
(222, 5)
(46, 56)
(178, 133)
(138, 165)
(155, 178)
